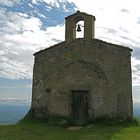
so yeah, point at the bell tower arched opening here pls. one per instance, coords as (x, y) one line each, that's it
(80, 29)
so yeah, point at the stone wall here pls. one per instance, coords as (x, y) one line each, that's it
(102, 68)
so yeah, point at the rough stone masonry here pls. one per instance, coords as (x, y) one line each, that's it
(82, 78)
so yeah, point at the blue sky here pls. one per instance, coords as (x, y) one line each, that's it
(26, 26)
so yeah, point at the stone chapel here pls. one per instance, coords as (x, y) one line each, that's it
(82, 79)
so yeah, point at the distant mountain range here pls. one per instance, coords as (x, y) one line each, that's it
(11, 113)
(14, 100)
(12, 110)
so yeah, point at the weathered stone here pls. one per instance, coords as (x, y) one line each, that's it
(103, 69)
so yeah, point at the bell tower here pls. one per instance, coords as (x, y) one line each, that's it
(71, 25)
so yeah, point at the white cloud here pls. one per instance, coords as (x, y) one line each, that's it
(108, 14)
(55, 3)
(117, 22)
(111, 15)
(9, 2)
(34, 1)
(21, 35)
(136, 71)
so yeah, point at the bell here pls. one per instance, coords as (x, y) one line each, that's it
(78, 28)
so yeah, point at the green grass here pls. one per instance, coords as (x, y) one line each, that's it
(38, 130)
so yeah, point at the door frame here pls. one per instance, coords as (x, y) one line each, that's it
(84, 101)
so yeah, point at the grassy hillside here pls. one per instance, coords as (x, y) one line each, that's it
(37, 130)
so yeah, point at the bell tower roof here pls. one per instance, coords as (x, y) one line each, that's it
(78, 13)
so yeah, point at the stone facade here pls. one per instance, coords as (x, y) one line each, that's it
(101, 69)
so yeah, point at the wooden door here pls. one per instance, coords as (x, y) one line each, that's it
(80, 107)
